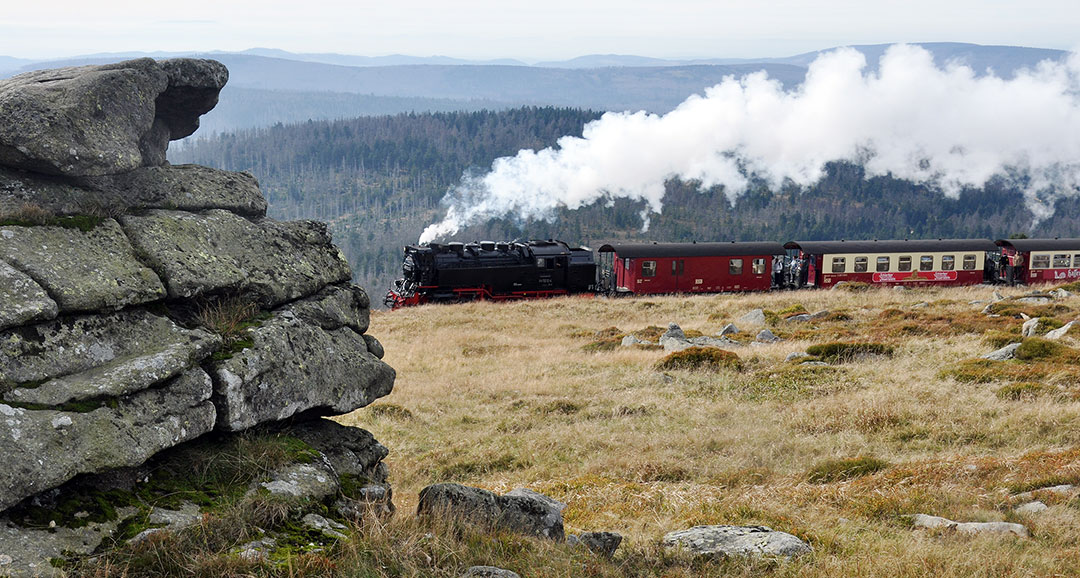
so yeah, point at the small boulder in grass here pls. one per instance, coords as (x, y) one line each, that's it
(723, 541)
(700, 359)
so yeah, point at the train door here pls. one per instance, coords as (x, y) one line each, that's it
(678, 268)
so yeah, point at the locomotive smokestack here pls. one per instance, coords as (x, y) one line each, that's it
(945, 127)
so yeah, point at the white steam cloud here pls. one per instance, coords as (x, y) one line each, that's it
(946, 127)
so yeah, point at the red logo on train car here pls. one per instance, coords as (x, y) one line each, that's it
(914, 276)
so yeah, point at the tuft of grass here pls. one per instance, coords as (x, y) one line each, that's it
(390, 411)
(795, 309)
(844, 469)
(998, 339)
(228, 316)
(700, 359)
(853, 287)
(34, 215)
(839, 352)
(1037, 348)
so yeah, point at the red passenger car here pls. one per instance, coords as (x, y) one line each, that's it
(1034, 261)
(916, 262)
(642, 268)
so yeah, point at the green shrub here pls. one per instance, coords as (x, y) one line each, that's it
(1035, 348)
(1024, 390)
(839, 352)
(700, 358)
(793, 310)
(845, 469)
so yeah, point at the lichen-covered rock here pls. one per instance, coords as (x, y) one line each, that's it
(351, 450)
(600, 543)
(214, 251)
(75, 344)
(336, 307)
(29, 550)
(45, 448)
(932, 522)
(81, 270)
(181, 187)
(522, 511)
(737, 541)
(22, 300)
(99, 120)
(295, 366)
(315, 481)
(489, 572)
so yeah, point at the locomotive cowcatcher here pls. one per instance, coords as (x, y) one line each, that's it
(455, 272)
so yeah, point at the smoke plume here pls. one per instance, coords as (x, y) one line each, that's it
(948, 128)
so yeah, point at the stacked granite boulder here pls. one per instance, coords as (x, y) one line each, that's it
(111, 259)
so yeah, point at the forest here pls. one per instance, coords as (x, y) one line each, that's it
(378, 182)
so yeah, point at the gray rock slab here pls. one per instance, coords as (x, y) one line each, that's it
(1060, 331)
(108, 119)
(373, 346)
(213, 251)
(800, 318)
(1030, 327)
(22, 300)
(1034, 299)
(26, 552)
(350, 450)
(328, 528)
(932, 522)
(315, 481)
(600, 543)
(719, 342)
(180, 187)
(766, 336)
(335, 307)
(1031, 508)
(81, 271)
(294, 366)
(1059, 490)
(737, 541)
(521, 511)
(489, 572)
(1003, 354)
(70, 345)
(45, 448)
(729, 329)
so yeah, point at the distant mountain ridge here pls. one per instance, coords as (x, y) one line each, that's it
(269, 86)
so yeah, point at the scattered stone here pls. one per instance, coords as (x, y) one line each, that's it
(521, 511)
(488, 572)
(328, 528)
(920, 305)
(1060, 331)
(978, 302)
(737, 541)
(1031, 508)
(718, 342)
(1034, 299)
(630, 341)
(1061, 294)
(257, 550)
(815, 363)
(820, 314)
(1060, 490)
(1030, 327)
(899, 288)
(766, 336)
(315, 481)
(796, 355)
(997, 296)
(1003, 354)
(754, 317)
(989, 310)
(802, 317)
(599, 543)
(932, 522)
(1024, 316)
(729, 329)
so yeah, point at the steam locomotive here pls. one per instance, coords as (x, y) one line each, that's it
(455, 272)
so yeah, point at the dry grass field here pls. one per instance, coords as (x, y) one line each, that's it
(540, 395)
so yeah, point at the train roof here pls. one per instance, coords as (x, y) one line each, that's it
(892, 246)
(1026, 245)
(637, 250)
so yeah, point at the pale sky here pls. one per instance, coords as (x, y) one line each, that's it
(528, 30)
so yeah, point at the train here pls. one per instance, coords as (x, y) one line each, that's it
(500, 271)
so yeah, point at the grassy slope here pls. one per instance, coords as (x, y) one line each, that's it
(507, 395)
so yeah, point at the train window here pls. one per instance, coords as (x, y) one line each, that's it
(677, 266)
(541, 262)
(1076, 260)
(948, 262)
(759, 266)
(926, 263)
(861, 264)
(626, 264)
(969, 262)
(883, 263)
(648, 268)
(735, 267)
(904, 263)
(1061, 261)
(839, 264)
(1040, 261)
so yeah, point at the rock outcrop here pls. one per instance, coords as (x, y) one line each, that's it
(143, 305)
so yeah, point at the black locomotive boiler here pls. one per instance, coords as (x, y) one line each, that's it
(454, 272)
